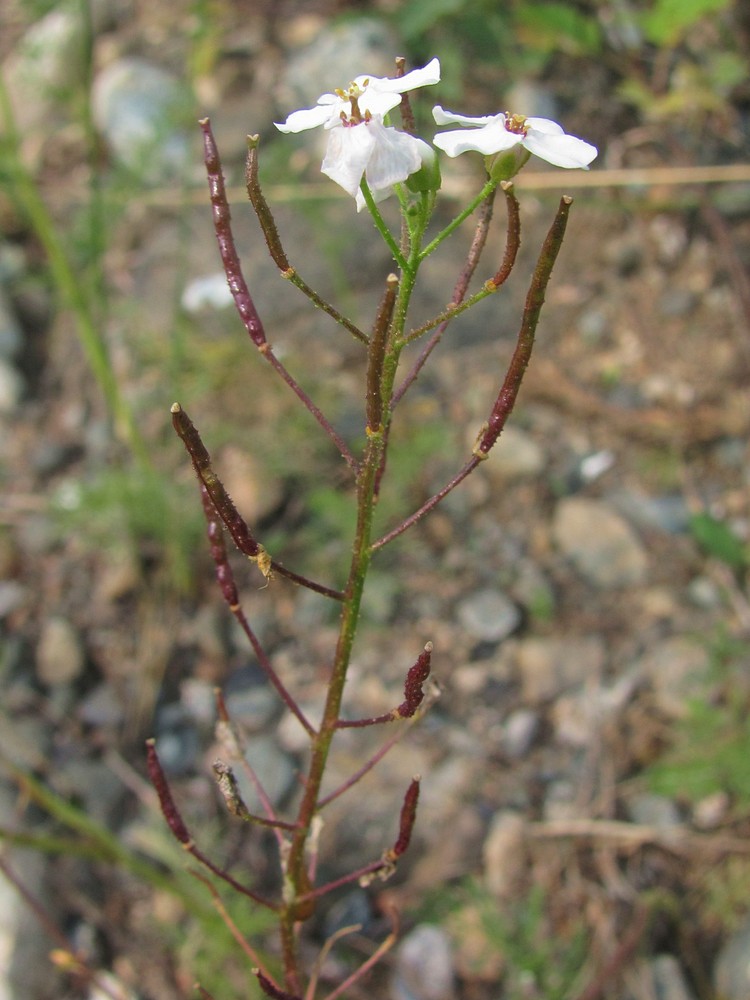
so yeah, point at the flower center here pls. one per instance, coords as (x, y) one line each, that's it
(352, 94)
(516, 124)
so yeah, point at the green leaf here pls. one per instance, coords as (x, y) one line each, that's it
(669, 20)
(555, 27)
(718, 540)
(414, 19)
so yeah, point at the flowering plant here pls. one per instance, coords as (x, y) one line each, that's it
(370, 158)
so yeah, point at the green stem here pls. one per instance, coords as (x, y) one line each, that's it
(488, 188)
(381, 226)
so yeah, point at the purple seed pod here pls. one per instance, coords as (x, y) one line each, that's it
(221, 500)
(227, 249)
(408, 817)
(413, 693)
(271, 990)
(168, 808)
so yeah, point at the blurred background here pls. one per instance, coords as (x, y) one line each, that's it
(586, 795)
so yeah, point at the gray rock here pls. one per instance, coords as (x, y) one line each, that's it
(519, 732)
(139, 109)
(599, 542)
(549, 666)
(578, 717)
(424, 966)
(668, 513)
(339, 53)
(11, 336)
(661, 978)
(250, 699)
(48, 61)
(488, 615)
(274, 769)
(102, 707)
(12, 388)
(732, 972)
(654, 810)
(60, 657)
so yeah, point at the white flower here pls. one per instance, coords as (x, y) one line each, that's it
(359, 143)
(366, 95)
(497, 133)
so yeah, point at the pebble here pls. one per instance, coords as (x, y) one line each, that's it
(47, 61)
(11, 336)
(519, 732)
(504, 854)
(273, 767)
(12, 387)
(676, 669)
(654, 810)
(210, 291)
(60, 657)
(661, 977)
(578, 717)
(669, 513)
(515, 456)
(599, 542)
(732, 971)
(102, 707)
(250, 700)
(489, 615)
(339, 52)
(176, 740)
(549, 666)
(137, 107)
(424, 966)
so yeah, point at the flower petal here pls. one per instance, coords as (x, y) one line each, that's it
(348, 152)
(300, 121)
(544, 125)
(424, 77)
(491, 138)
(443, 117)
(560, 150)
(394, 156)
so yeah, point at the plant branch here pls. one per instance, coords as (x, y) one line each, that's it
(240, 292)
(273, 241)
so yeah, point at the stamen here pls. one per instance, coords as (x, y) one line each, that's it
(516, 124)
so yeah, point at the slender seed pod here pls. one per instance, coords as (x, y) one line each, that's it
(407, 820)
(221, 500)
(168, 807)
(506, 398)
(376, 355)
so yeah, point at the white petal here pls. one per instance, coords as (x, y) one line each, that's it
(560, 150)
(490, 139)
(299, 121)
(377, 102)
(349, 150)
(544, 125)
(443, 117)
(394, 156)
(424, 77)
